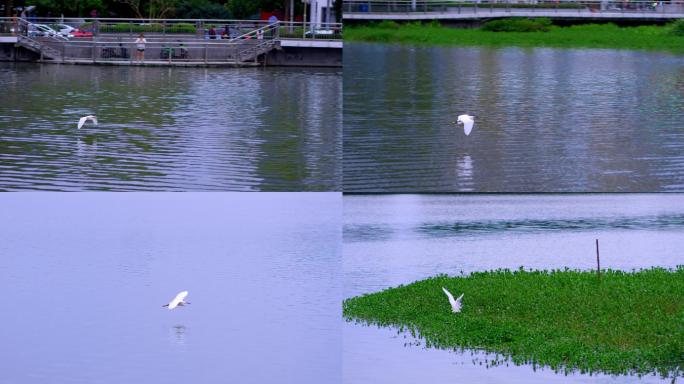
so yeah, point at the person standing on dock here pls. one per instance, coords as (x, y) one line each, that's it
(15, 24)
(140, 47)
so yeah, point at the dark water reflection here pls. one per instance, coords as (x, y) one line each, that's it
(169, 128)
(546, 119)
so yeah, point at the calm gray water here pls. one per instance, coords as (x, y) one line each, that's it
(571, 120)
(84, 276)
(165, 129)
(397, 239)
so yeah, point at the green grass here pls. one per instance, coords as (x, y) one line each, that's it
(659, 38)
(622, 323)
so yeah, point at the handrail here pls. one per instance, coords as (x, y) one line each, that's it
(530, 2)
(107, 26)
(82, 20)
(271, 27)
(413, 6)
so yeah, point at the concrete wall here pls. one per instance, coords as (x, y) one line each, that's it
(286, 56)
(305, 57)
(8, 52)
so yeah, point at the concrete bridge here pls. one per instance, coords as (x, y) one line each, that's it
(408, 10)
(172, 42)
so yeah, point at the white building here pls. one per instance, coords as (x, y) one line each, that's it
(321, 12)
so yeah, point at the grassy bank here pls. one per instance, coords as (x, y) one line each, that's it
(659, 38)
(567, 320)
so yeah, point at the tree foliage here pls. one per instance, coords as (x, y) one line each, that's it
(214, 9)
(243, 9)
(202, 9)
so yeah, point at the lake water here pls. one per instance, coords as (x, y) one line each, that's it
(570, 120)
(84, 277)
(397, 239)
(164, 129)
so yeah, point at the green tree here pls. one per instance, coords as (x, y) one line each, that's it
(8, 7)
(202, 9)
(242, 9)
(68, 8)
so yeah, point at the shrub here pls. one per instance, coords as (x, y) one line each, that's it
(518, 25)
(677, 28)
(388, 24)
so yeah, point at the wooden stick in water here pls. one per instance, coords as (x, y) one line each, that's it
(598, 260)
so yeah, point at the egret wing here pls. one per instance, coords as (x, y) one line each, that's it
(451, 298)
(468, 126)
(448, 294)
(94, 119)
(457, 304)
(82, 121)
(176, 300)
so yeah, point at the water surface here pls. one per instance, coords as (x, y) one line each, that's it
(84, 276)
(570, 120)
(245, 129)
(397, 239)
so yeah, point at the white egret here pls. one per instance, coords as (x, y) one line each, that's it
(467, 122)
(179, 300)
(455, 304)
(83, 119)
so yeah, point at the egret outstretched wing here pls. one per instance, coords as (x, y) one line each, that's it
(455, 304)
(178, 299)
(83, 119)
(468, 122)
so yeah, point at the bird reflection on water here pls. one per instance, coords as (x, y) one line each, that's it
(178, 334)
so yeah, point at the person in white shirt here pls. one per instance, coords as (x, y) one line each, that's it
(140, 47)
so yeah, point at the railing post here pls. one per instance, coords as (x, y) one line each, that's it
(205, 52)
(94, 50)
(63, 51)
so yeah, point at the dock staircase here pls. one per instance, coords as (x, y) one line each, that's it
(256, 44)
(42, 48)
(45, 51)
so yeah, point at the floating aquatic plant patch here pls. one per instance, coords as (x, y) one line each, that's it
(618, 323)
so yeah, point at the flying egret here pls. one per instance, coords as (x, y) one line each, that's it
(455, 304)
(467, 122)
(83, 119)
(179, 300)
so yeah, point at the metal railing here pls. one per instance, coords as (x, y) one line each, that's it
(209, 29)
(241, 49)
(197, 51)
(440, 6)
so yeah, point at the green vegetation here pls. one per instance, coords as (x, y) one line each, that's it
(541, 24)
(620, 323)
(508, 32)
(677, 28)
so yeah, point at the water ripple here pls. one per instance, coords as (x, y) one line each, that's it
(169, 129)
(547, 120)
